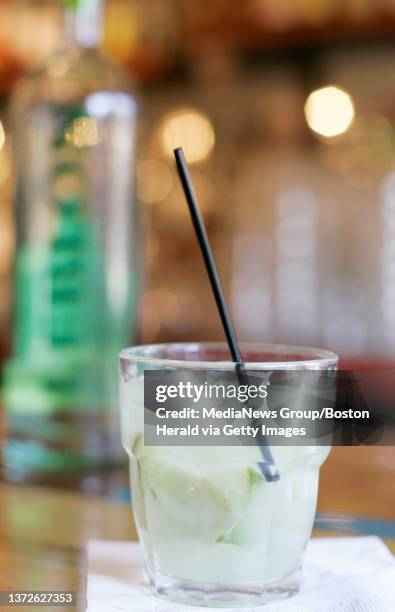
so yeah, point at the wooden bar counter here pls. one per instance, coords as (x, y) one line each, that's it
(43, 531)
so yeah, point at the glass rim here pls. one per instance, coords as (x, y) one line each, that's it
(312, 357)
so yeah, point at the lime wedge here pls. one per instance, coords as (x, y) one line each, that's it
(244, 531)
(188, 497)
(209, 502)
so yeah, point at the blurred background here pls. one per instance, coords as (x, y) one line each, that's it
(286, 112)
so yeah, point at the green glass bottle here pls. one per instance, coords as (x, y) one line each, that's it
(76, 272)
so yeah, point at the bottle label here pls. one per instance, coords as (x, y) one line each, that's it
(62, 312)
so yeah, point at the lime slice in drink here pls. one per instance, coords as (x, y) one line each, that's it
(188, 497)
(209, 502)
(244, 532)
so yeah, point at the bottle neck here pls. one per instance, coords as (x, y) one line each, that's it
(84, 22)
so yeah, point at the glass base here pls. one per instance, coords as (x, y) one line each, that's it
(217, 596)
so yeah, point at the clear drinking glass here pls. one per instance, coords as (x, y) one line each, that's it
(213, 531)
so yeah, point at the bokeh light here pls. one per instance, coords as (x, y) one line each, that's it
(190, 129)
(2, 136)
(329, 111)
(83, 132)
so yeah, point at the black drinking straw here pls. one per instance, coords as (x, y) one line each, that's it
(268, 467)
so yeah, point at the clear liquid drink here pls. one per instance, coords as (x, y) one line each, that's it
(214, 531)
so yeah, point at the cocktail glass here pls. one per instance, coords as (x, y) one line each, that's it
(213, 530)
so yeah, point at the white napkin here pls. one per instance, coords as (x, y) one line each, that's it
(355, 574)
